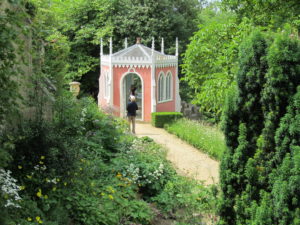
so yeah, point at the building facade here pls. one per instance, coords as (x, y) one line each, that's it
(152, 76)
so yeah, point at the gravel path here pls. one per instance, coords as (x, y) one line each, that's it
(187, 160)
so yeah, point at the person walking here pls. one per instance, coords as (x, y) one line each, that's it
(131, 113)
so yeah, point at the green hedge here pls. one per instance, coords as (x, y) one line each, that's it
(159, 119)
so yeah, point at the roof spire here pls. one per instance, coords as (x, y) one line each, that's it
(162, 46)
(101, 47)
(153, 46)
(110, 46)
(138, 40)
(176, 54)
(125, 43)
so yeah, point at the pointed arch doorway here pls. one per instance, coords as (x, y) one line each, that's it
(128, 82)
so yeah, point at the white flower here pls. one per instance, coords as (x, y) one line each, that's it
(10, 188)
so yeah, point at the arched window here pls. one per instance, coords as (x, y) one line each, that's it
(168, 94)
(161, 87)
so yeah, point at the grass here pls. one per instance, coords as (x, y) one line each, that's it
(204, 137)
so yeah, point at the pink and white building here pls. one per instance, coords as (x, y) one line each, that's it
(153, 74)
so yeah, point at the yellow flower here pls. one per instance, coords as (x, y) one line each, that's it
(80, 168)
(29, 219)
(119, 175)
(65, 183)
(42, 157)
(57, 179)
(41, 162)
(45, 196)
(22, 188)
(111, 197)
(54, 189)
(19, 167)
(38, 219)
(39, 193)
(102, 194)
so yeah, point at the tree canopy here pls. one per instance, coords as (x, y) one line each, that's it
(210, 62)
(83, 23)
(271, 14)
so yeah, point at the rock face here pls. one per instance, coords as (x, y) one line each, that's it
(190, 111)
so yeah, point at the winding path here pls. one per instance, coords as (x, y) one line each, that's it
(187, 160)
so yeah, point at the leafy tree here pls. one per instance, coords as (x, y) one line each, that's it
(272, 14)
(159, 19)
(210, 60)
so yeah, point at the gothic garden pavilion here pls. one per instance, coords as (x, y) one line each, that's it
(153, 75)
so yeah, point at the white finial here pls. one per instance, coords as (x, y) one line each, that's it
(162, 46)
(110, 46)
(176, 46)
(126, 44)
(153, 46)
(101, 47)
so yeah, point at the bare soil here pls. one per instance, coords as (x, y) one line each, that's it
(187, 160)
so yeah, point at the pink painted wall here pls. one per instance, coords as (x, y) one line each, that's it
(170, 105)
(145, 73)
(146, 76)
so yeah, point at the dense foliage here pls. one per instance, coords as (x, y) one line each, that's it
(210, 61)
(255, 173)
(9, 67)
(83, 167)
(64, 162)
(271, 14)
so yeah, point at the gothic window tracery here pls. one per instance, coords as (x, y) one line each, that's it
(161, 87)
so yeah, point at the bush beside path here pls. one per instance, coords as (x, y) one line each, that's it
(187, 160)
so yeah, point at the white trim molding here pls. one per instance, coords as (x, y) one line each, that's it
(121, 85)
(161, 87)
(169, 90)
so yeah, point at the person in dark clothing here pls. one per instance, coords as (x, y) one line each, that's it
(132, 90)
(131, 112)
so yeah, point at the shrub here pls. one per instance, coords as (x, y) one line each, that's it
(82, 168)
(69, 159)
(242, 113)
(260, 169)
(144, 164)
(159, 119)
(188, 201)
